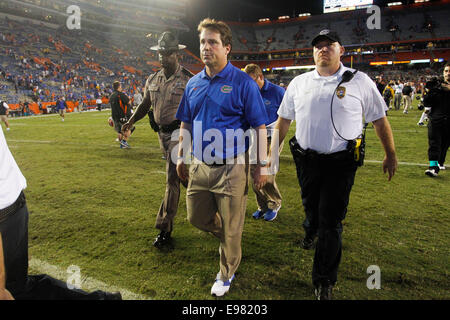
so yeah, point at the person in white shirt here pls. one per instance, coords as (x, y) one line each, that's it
(15, 282)
(328, 105)
(398, 88)
(4, 110)
(137, 99)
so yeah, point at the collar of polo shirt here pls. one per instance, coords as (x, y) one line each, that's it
(221, 74)
(336, 76)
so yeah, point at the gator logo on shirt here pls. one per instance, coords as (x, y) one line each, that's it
(266, 102)
(340, 92)
(226, 89)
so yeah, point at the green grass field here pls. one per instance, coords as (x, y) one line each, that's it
(93, 205)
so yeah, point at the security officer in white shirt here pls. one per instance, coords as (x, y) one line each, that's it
(328, 105)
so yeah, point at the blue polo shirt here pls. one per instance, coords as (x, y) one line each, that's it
(221, 110)
(272, 96)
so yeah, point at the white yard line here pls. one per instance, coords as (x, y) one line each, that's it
(87, 283)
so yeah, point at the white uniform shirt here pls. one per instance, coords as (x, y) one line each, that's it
(398, 88)
(5, 105)
(12, 182)
(307, 101)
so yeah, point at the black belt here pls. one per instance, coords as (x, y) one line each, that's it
(19, 203)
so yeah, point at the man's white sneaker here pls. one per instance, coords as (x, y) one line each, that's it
(441, 167)
(220, 287)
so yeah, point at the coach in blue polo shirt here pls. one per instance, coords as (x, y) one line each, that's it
(268, 197)
(218, 107)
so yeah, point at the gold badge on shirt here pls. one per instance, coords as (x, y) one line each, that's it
(340, 92)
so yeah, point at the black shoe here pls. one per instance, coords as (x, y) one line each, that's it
(307, 243)
(323, 292)
(432, 171)
(162, 239)
(113, 296)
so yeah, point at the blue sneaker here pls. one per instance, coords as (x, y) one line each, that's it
(124, 145)
(270, 215)
(258, 214)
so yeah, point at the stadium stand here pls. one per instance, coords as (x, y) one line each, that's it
(40, 59)
(408, 32)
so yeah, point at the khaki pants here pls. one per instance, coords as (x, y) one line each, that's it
(407, 102)
(169, 205)
(269, 196)
(216, 200)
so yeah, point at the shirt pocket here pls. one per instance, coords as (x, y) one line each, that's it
(154, 93)
(176, 95)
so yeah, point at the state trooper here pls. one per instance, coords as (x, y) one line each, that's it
(162, 94)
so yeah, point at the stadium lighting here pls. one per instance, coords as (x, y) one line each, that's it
(394, 4)
(304, 14)
(264, 19)
(283, 17)
(420, 1)
(295, 67)
(421, 61)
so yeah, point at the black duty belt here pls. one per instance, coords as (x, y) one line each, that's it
(19, 203)
(169, 128)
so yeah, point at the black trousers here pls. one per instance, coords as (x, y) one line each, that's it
(438, 139)
(14, 230)
(325, 182)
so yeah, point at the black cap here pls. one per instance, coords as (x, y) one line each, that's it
(168, 42)
(326, 35)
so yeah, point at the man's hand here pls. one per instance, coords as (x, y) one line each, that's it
(126, 127)
(390, 165)
(182, 172)
(259, 179)
(5, 294)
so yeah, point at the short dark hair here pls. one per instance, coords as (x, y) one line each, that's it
(116, 85)
(219, 26)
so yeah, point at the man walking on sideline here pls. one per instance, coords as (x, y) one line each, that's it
(268, 197)
(220, 101)
(163, 92)
(328, 105)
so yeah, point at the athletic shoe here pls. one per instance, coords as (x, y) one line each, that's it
(441, 167)
(220, 287)
(258, 214)
(432, 171)
(405, 111)
(124, 145)
(117, 140)
(270, 215)
(7, 129)
(420, 124)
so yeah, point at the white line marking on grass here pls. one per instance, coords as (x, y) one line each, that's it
(87, 284)
(377, 161)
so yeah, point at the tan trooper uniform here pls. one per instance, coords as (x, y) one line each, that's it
(165, 96)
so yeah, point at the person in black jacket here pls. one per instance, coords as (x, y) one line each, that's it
(120, 113)
(407, 101)
(436, 102)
